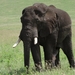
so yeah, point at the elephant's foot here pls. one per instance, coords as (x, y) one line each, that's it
(57, 64)
(27, 69)
(51, 65)
(72, 64)
(38, 67)
(48, 64)
(53, 61)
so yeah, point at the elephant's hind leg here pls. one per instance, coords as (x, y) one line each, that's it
(67, 49)
(48, 49)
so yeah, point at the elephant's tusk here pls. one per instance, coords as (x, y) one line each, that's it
(35, 40)
(18, 41)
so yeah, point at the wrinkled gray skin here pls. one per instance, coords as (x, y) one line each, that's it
(52, 27)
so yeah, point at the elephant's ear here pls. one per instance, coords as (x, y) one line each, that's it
(50, 24)
(51, 20)
(56, 23)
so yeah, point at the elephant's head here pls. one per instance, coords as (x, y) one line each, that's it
(47, 18)
(31, 23)
(29, 27)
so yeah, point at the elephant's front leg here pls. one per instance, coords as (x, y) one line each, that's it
(67, 49)
(48, 50)
(51, 56)
(35, 49)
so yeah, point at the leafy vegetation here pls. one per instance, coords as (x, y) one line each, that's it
(11, 59)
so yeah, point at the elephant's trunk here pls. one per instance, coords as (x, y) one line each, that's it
(26, 45)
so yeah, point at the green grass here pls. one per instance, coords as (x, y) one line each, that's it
(11, 59)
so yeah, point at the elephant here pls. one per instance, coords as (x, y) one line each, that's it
(49, 27)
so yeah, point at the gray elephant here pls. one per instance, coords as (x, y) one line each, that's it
(49, 27)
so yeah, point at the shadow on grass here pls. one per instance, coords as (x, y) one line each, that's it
(21, 71)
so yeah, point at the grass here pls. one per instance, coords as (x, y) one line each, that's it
(11, 60)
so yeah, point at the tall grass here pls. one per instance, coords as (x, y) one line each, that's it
(12, 60)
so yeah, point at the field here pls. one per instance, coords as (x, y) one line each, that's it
(11, 59)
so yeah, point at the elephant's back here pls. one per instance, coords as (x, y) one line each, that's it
(63, 17)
